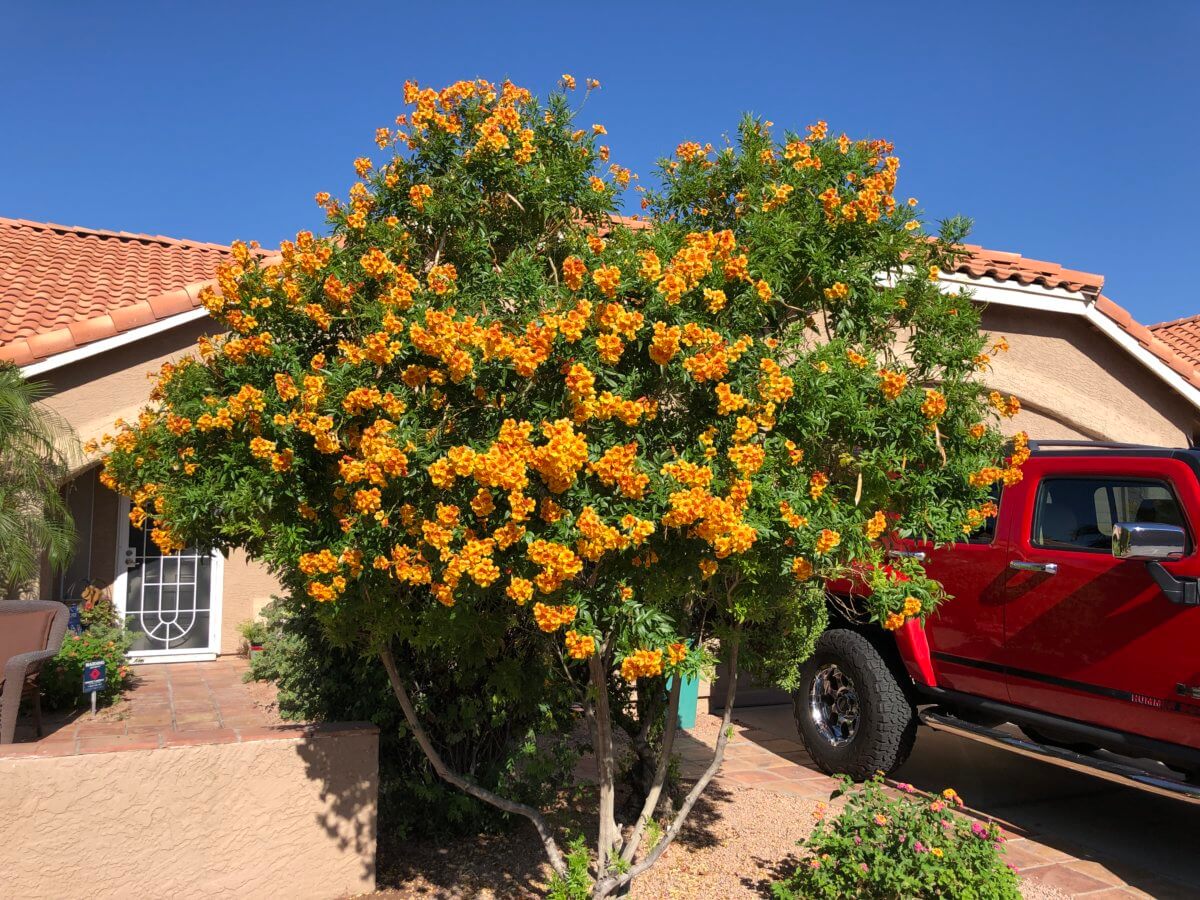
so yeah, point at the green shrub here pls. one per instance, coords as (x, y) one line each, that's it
(62, 677)
(910, 846)
(482, 711)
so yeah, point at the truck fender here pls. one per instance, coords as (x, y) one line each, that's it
(913, 645)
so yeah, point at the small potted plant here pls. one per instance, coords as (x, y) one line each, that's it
(254, 632)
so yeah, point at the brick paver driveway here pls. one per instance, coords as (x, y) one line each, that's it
(1081, 835)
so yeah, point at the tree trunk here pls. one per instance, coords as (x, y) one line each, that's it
(609, 885)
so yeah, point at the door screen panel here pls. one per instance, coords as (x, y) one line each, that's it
(168, 599)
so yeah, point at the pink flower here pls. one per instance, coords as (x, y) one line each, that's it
(978, 830)
(918, 846)
(814, 864)
(906, 787)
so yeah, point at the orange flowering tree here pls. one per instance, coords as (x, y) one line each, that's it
(482, 394)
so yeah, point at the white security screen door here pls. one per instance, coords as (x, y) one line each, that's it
(171, 603)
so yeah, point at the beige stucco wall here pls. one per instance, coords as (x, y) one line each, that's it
(272, 818)
(91, 395)
(247, 587)
(1074, 382)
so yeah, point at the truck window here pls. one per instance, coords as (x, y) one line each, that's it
(1079, 513)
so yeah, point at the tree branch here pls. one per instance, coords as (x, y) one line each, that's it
(463, 784)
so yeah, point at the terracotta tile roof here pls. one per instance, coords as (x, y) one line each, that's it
(980, 262)
(62, 286)
(1182, 336)
(1182, 363)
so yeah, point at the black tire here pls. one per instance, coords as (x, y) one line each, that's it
(885, 721)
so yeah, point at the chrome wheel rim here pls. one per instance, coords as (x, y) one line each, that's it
(833, 705)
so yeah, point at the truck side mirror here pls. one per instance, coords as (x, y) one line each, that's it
(1148, 541)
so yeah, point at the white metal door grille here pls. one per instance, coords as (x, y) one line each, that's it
(168, 599)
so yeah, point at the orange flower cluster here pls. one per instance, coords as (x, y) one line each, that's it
(715, 520)
(597, 538)
(802, 569)
(665, 343)
(642, 664)
(1006, 406)
(892, 384)
(826, 541)
(560, 459)
(558, 564)
(876, 525)
(934, 405)
(817, 484)
(617, 467)
(552, 618)
(580, 646)
(607, 279)
(912, 606)
(418, 194)
(693, 262)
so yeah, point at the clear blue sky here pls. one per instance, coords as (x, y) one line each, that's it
(1067, 130)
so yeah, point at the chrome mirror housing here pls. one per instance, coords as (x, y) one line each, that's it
(1148, 541)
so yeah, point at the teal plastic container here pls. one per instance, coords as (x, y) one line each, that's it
(689, 700)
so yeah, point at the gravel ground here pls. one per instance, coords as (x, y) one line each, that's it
(736, 842)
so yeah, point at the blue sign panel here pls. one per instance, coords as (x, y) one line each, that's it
(94, 676)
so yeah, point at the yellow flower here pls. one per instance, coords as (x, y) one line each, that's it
(839, 291)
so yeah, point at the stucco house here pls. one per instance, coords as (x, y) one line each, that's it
(92, 312)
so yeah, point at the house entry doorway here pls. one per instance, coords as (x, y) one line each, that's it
(171, 602)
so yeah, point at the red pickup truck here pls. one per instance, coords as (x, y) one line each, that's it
(1072, 633)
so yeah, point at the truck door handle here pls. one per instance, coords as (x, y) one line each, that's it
(918, 555)
(1022, 565)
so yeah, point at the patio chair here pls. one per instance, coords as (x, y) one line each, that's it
(31, 632)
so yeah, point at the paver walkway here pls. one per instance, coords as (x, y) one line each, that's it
(175, 704)
(770, 758)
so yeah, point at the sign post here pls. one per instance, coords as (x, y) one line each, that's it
(95, 675)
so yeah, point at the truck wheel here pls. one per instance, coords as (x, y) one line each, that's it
(852, 713)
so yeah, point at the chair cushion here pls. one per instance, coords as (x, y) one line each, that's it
(24, 632)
